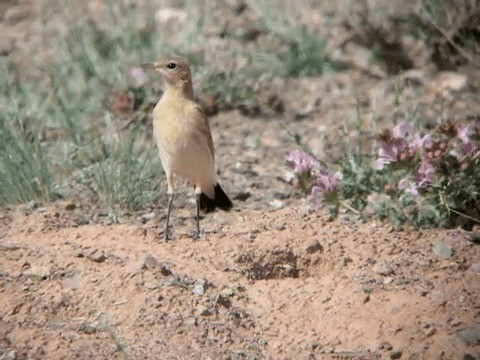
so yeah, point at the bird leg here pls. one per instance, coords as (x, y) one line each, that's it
(196, 234)
(170, 202)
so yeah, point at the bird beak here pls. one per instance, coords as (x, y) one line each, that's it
(148, 65)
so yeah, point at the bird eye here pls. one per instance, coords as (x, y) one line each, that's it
(172, 65)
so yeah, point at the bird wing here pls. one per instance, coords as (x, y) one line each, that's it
(205, 129)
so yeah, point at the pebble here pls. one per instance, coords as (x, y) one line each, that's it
(443, 250)
(38, 271)
(382, 268)
(396, 354)
(469, 336)
(385, 345)
(429, 330)
(476, 268)
(313, 247)
(280, 225)
(97, 256)
(277, 204)
(199, 287)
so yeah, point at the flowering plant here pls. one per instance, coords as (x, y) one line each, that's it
(430, 179)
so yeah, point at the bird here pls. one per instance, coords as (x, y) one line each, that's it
(182, 134)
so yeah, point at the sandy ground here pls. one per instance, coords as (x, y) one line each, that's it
(288, 284)
(274, 279)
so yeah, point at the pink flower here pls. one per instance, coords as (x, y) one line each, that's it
(403, 138)
(301, 162)
(325, 182)
(402, 130)
(425, 173)
(139, 76)
(388, 152)
(419, 142)
(464, 133)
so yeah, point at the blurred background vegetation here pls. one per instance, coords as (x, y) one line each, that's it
(74, 119)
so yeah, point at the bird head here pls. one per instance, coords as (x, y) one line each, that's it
(173, 69)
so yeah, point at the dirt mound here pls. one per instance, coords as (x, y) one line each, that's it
(288, 284)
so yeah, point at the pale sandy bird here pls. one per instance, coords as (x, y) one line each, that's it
(184, 140)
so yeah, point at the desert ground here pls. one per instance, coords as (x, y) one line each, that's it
(275, 278)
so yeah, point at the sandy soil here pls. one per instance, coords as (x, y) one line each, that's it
(287, 284)
(274, 279)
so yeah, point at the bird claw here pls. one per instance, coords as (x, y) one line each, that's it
(166, 235)
(196, 234)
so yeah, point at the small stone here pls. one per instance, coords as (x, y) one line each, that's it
(151, 263)
(70, 206)
(242, 195)
(396, 354)
(148, 216)
(88, 328)
(32, 205)
(199, 287)
(280, 225)
(38, 271)
(277, 204)
(423, 293)
(207, 311)
(443, 250)
(382, 268)
(191, 321)
(8, 247)
(429, 330)
(388, 280)
(12, 355)
(97, 256)
(469, 336)
(366, 298)
(476, 268)
(224, 298)
(385, 345)
(313, 247)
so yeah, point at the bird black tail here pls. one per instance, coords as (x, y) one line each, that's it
(221, 200)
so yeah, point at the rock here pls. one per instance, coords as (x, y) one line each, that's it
(70, 206)
(280, 225)
(429, 330)
(470, 357)
(476, 268)
(12, 355)
(366, 298)
(396, 354)
(8, 247)
(147, 217)
(191, 321)
(152, 264)
(385, 345)
(382, 268)
(224, 298)
(87, 328)
(38, 271)
(469, 336)
(199, 286)
(313, 247)
(277, 204)
(97, 256)
(443, 250)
